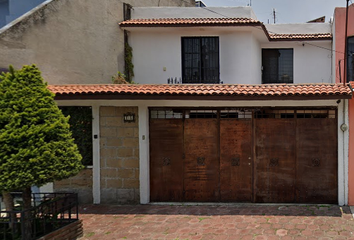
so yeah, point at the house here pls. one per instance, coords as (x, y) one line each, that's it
(227, 109)
(340, 67)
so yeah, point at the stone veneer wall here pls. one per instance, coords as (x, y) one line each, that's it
(119, 156)
(81, 184)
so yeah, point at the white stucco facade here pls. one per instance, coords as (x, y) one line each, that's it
(157, 51)
(157, 55)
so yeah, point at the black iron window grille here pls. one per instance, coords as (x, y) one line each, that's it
(315, 113)
(201, 114)
(350, 62)
(235, 113)
(277, 66)
(81, 126)
(166, 114)
(200, 60)
(241, 113)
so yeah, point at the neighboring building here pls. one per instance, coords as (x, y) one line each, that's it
(199, 4)
(318, 20)
(338, 68)
(12, 9)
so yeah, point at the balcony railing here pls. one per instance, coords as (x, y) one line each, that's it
(194, 80)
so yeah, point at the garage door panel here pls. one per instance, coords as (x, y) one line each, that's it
(201, 163)
(235, 160)
(166, 160)
(317, 161)
(275, 160)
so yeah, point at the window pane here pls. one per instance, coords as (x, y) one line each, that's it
(350, 59)
(81, 126)
(200, 59)
(277, 66)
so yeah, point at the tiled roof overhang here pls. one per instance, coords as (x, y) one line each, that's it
(203, 91)
(222, 22)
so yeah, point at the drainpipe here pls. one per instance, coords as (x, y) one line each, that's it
(345, 154)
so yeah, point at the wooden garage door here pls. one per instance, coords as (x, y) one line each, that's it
(201, 163)
(166, 160)
(317, 164)
(236, 160)
(275, 160)
(280, 157)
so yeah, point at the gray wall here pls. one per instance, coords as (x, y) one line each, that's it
(72, 42)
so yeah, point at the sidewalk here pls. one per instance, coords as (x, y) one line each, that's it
(217, 222)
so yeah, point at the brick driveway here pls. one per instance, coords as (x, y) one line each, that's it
(217, 222)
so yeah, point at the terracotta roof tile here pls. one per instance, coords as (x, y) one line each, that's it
(221, 90)
(194, 22)
(307, 36)
(178, 22)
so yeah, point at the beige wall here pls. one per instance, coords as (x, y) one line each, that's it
(81, 184)
(72, 41)
(119, 151)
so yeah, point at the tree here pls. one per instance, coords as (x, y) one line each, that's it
(36, 146)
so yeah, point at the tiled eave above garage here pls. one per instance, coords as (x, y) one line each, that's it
(223, 22)
(203, 91)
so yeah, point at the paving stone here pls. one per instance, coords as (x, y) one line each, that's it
(282, 232)
(152, 222)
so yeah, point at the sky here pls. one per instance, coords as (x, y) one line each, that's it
(287, 11)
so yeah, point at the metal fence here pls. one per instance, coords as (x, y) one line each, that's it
(50, 212)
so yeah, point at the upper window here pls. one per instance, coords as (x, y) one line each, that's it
(350, 63)
(200, 60)
(277, 66)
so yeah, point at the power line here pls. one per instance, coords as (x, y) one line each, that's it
(216, 12)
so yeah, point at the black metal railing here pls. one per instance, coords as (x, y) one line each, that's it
(50, 212)
(194, 80)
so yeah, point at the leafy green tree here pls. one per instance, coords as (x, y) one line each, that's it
(36, 145)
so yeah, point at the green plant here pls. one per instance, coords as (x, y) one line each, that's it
(36, 145)
(119, 78)
(90, 234)
(129, 66)
(119, 74)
